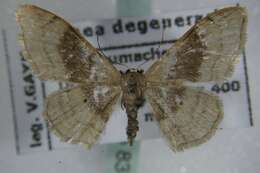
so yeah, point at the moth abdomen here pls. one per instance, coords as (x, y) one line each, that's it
(132, 124)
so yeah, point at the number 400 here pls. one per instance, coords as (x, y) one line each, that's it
(226, 87)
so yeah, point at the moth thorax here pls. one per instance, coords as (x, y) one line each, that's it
(133, 82)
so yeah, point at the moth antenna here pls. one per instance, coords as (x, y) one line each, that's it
(122, 65)
(100, 47)
(106, 56)
(161, 39)
(157, 49)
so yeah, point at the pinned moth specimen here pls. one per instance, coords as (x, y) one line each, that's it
(186, 116)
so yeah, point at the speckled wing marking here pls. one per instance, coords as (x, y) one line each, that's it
(207, 52)
(57, 51)
(187, 116)
(79, 115)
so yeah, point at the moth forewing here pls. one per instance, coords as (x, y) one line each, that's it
(57, 51)
(206, 52)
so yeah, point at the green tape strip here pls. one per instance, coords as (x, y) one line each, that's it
(133, 8)
(122, 158)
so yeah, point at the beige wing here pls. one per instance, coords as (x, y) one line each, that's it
(79, 115)
(187, 116)
(57, 51)
(207, 52)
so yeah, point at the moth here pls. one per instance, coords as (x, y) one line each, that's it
(186, 116)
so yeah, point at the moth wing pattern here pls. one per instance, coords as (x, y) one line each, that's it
(206, 52)
(186, 116)
(79, 114)
(57, 51)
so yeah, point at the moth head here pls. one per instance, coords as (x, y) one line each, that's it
(132, 70)
(132, 79)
